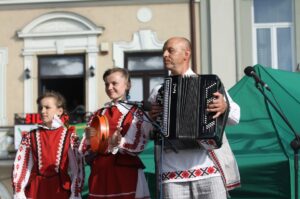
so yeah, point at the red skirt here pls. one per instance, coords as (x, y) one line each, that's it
(114, 176)
(46, 187)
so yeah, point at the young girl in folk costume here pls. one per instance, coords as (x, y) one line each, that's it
(116, 172)
(48, 154)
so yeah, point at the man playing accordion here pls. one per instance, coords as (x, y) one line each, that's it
(202, 172)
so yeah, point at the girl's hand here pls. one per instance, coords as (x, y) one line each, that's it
(115, 139)
(89, 132)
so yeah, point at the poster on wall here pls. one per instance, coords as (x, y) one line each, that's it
(24, 122)
(6, 141)
(19, 130)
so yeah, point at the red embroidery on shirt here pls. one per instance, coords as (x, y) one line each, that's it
(138, 134)
(189, 173)
(198, 172)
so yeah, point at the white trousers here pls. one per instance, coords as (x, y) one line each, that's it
(209, 188)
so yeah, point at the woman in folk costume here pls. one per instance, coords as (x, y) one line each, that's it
(48, 154)
(116, 171)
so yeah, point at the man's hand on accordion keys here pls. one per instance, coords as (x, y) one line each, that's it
(155, 111)
(218, 105)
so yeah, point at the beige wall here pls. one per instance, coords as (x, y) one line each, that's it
(120, 22)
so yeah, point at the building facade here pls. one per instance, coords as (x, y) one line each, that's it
(69, 44)
(66, 45)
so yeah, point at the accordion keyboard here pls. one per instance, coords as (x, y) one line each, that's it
(185, 117)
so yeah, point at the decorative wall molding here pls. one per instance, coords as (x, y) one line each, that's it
(58, 33)
(143, 40)
(104, 2)
(3, 85)
(144, 14)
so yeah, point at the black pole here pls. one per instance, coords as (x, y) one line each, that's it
(157, 156)
(159, 139)
(295, 144)
(296, 171)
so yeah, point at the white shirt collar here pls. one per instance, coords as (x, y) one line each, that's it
(56, 123)
(189, 72)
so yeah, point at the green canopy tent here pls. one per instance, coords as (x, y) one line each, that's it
(261, 141)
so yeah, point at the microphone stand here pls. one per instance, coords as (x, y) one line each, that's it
(295, 143)
(158, 147)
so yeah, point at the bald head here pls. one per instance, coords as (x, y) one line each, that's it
(184, 42)
(177, 53)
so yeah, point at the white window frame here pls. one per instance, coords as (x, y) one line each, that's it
(49, 33)
(273, 31)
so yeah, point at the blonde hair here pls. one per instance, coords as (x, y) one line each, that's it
(123, 71)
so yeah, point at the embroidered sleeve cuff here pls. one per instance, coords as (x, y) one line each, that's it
(19, 195)
(113, 150)
(75, 197)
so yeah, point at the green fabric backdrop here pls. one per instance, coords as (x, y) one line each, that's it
(261, 141)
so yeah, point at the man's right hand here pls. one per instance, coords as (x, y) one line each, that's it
(156, 110)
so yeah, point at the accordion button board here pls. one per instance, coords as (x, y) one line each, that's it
(185, 117)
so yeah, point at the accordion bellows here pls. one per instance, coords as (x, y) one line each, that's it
(99, 142)
(185, 115)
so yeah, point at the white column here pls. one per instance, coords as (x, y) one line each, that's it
(223, 41)
(92, 88)
(28, 85)
(3, 64)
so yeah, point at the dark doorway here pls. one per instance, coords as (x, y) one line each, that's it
(69, 88)
(64, 74)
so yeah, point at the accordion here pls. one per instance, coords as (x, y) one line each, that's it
(185, 118)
